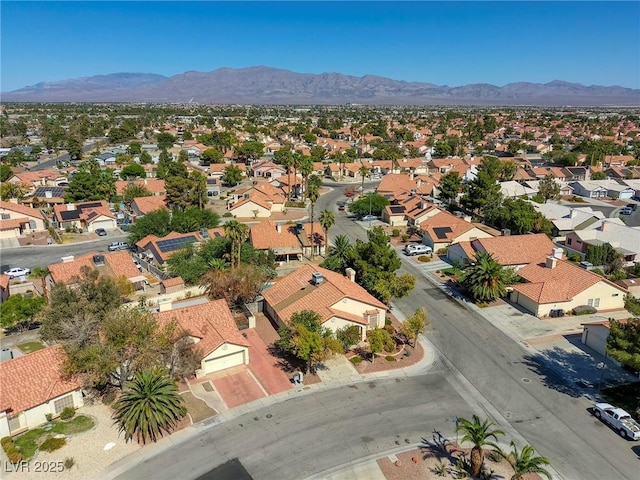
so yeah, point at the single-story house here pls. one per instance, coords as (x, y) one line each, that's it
(17, 220)
(86, 216)
(281, 239)
(566, 219)
(625, 240)
(338, 299)
(214, 331)
(32, 387)
(141, 206)
(443, 229)
(557, 284)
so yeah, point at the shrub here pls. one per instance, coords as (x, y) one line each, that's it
(575, 258)
(227, 214)
(69, 462)
(67, 413)
(6, 442)
(395, 232)
(52, 444)
(356, 360)
(14, 457)
(390, 329)
(424, 258)
(583, 310)
(387, 320)
(48, 416)
(598, 271)
(405, 238)
(390, 358)
(442, 251)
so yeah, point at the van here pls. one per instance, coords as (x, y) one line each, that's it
(417, 249)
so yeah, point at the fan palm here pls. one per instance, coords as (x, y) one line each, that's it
(339, 254)
(313, 192)
(525, 461)
(236, 232)
(327, 220)
(485, 279)
(364, 171)
(149, 407)
(478, 433)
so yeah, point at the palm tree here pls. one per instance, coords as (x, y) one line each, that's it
(149, 407)
(364, 171)
(306, 169)
(525, 461)
(478, 433)
(485, 279)
(339, 254)
(327, 220)
(236, 232)
(313, 192)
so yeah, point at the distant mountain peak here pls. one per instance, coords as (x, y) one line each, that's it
(262, 84)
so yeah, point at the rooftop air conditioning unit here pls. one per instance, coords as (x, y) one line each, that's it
(98, 259)
(317, 278)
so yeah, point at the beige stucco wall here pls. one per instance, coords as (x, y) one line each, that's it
(354, 307)
(334, 324)
(456, 253)
(39, 222)
(102, 222)
(394, 220)
(595, 336)
(246, 211)
(211, 364)
(467, 236)
(36, 416)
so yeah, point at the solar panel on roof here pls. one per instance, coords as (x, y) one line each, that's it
(397, 209)
(441, 232)
(91, 215)
(175, 243)
(89, 205)
(41, 192)
(69, 214)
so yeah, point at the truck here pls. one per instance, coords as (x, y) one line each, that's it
(618, 419)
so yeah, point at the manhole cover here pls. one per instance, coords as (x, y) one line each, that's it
(268, 415)
(507, 414)
(526, 380)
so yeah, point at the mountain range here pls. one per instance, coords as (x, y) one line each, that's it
(265, 85)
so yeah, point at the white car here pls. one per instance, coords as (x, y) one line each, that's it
(17, 272)
(618, 419)
(417, 249)
(369, 218)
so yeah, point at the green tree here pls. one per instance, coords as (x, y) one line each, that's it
(363, 171)
(525, 461)
(192, 219)
(237, 286)
(372, 203)
(327, 220)
(379, 340)
(238, 234)
(154, 223)
(519, 216)
(5, 172)
(549, 188)
(603, 255)
(348, 336)
(415, 324)
(134, 148)
(485, 280)
(145, 158)
(211, 155)
(149, 407)
(232, 175)
(18, 309)
(134, 190)
(449, 186)
(188, 264)
(284, 157)
(250, 151)
(133, 171)
(313, 192)
(165, 140)
(623, 342)
(91, 183)
(11, 190)
(479, 433)
(306, 339)
(340, 254)
(598, 176)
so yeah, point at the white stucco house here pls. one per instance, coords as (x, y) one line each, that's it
(32, 388)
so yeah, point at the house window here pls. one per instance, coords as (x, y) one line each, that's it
(14, 423)
(5, 216)
(568, 241)
(593, 302)
(373, 320)
(63, 403)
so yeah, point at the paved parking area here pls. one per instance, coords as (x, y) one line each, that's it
(264, 366)
(238, 386)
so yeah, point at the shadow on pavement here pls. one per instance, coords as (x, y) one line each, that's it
(231, 470)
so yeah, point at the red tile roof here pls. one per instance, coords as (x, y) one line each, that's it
(516, 249)
(22, 209)
(211, 322)
(150, 204)
(33, 379)
(265, 235)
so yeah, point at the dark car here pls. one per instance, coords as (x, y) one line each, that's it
(632, 206)
(101, 232)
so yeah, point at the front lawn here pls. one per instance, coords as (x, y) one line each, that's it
(29, 442)
(30, 347)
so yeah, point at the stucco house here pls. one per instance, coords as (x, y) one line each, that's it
(566, 219)
(214, 331)
(32, 387)
(17, 220)
(443, 229)
(86, 216)
(338, 299)
(557, 284)
(625, 240)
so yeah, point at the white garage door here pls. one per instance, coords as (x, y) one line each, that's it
(226, 361)
(106, 224)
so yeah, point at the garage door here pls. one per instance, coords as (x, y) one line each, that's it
(106, 224)
(226, 361)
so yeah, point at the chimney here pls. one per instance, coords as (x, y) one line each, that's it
(505, 232)
(165, 304)
(279, 228)
(350, 273)
(557, 252)
(574, 213)
(551, 262)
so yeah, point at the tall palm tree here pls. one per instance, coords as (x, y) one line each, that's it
(236, 232)
(478, 433)
(327, 220)
(306, 169)
(313, 192)
(485, 279)
(364, 171)
(525, 461)
(340, 252)
(149, 407)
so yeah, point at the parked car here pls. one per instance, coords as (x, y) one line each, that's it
(101, 232)
(417, 249)
(369, 218)
(341, 208)
(17, 272)
(626, 211)
(618, 419)
(115, 246)
(632, 206)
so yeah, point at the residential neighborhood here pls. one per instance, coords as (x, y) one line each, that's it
(240, 260)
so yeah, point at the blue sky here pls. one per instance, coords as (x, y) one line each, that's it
(446, 43)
